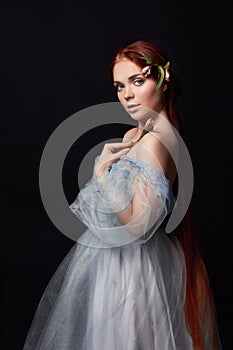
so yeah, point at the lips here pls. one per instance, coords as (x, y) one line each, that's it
(132, 107)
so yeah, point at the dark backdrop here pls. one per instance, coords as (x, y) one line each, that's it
(54, 61)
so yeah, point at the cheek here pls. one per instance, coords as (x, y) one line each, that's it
(120, 97)
(149, 96)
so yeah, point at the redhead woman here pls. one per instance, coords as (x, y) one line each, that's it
(127, 284)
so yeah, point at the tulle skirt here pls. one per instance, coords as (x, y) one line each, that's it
(122, 298)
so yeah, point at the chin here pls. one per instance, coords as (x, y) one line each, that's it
(140, 115)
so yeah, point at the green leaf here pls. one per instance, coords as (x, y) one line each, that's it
(150, 128)
(160, 77)
(147, 59)
(167, 65)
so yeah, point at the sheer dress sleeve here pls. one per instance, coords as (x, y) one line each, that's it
(98, 203)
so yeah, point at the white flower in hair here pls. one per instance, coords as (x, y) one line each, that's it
(163, 73)
(146, 71)
(166, 74)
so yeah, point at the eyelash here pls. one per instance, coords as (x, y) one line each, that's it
(141, 80)
(135, 81)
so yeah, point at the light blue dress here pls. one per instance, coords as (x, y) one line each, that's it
(121, 287)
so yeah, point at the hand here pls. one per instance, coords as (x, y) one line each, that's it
(110, 154)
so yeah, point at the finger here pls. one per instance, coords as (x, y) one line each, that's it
(126, 142)
(115, 147)
(122, 152)
(119, 144)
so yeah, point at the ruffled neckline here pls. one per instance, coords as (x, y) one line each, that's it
(140, 162)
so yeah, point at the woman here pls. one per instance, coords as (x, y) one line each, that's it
(126, 284)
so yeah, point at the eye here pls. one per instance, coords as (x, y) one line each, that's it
(119, 87)
(138, 82)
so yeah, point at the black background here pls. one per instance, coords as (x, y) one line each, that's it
(54, 61)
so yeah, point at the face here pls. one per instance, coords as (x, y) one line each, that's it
(136, 93)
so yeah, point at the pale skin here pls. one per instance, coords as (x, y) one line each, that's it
(135, 91)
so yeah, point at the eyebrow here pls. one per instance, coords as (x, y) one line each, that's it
(130, 78)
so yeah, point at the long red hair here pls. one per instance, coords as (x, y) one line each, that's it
(199, 306)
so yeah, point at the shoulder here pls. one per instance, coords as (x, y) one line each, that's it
(149, 142)
(154, 142)
(154, 146)
(152, 150)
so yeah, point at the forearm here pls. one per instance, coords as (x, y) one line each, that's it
(120, 206)
(129, 210)
(125, 216)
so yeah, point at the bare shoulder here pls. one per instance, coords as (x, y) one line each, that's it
(155, 152)
(154, 141)
(154, 146)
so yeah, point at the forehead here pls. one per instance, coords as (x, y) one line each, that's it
(124, 69)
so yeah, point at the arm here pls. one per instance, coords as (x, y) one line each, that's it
(129, 199)
(151, 150)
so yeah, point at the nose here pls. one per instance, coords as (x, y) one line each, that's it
(128, 93)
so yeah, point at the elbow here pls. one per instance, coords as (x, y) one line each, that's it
(135, 223)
